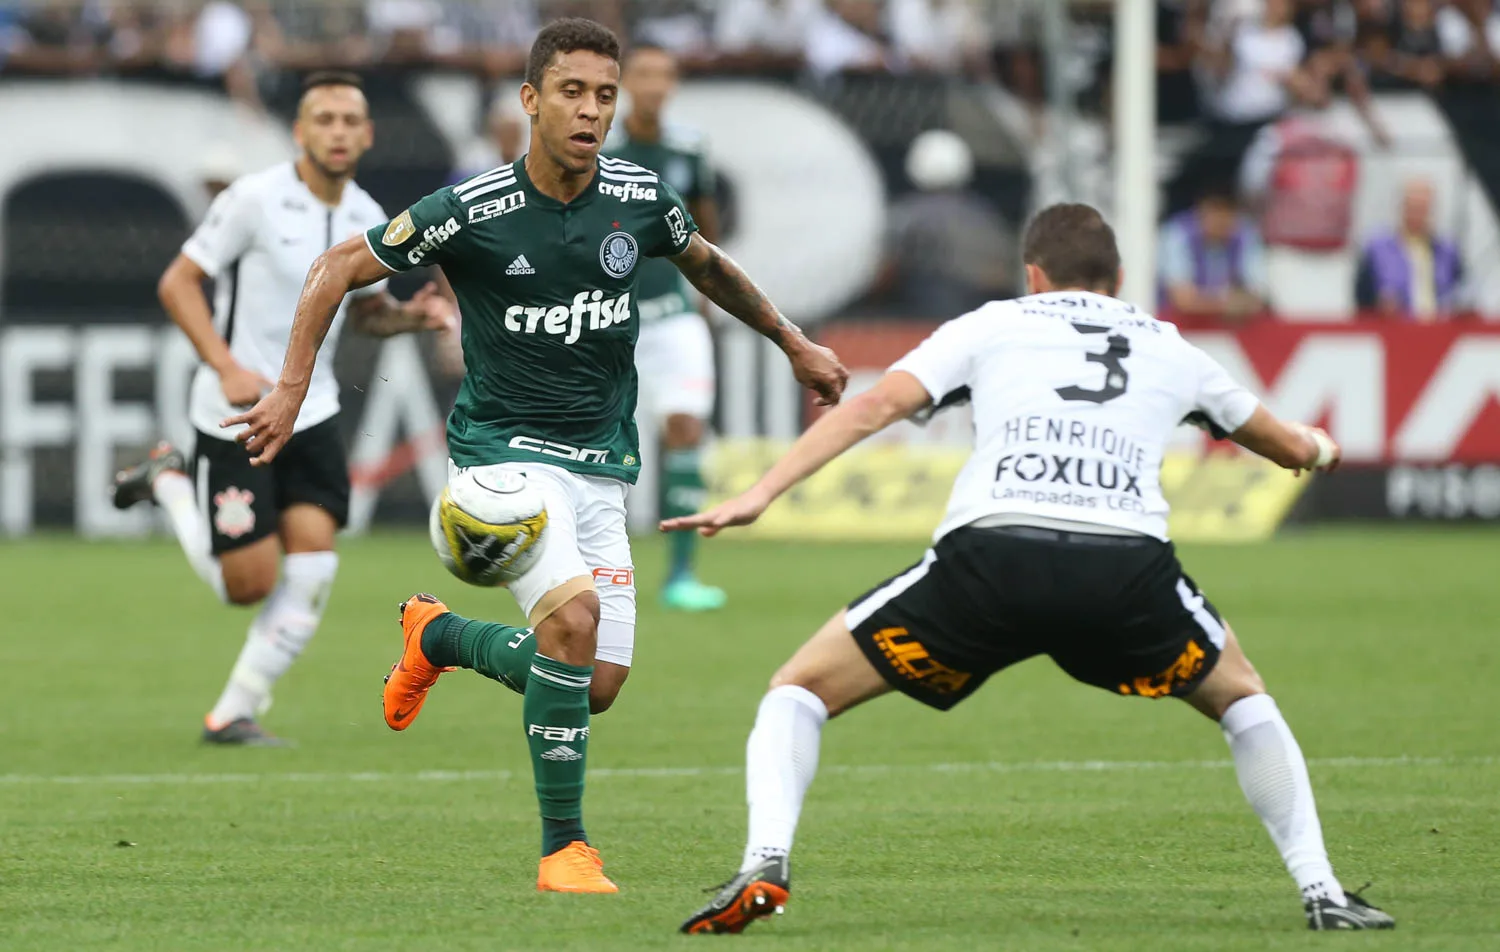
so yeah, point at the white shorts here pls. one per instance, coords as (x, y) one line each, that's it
(675, 359)
(587, 549)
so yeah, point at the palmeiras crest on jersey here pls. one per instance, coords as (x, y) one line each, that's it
(618, 253)
(234, 513)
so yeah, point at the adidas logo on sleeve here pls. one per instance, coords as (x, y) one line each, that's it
(562, 752)
(519, 266)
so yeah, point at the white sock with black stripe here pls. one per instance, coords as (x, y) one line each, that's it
(174, 492)
(781, 759)
(1273, 775)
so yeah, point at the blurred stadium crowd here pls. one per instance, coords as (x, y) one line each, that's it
(989, 83)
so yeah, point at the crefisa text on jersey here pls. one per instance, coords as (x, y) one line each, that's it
(562, 319)
(628, 192)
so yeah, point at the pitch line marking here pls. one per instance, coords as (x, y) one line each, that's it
(501, 776)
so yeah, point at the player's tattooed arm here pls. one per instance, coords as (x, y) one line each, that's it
(336, 272)
(726, 284)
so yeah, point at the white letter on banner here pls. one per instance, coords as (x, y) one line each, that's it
(1444, 412)
(104, 424)
(24, 424)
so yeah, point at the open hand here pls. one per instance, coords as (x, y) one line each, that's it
(268, 424)
(739, 511)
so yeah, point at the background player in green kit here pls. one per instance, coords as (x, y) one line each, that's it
(675, 355)
(542, 255)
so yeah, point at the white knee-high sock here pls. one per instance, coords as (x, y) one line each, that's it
(174, 493)
(781, 758)
(282, 628)
(1273, 776)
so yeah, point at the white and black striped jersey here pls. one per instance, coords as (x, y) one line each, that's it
(258, 240)
(1075, 396)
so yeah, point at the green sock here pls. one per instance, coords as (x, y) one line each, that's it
(682, 494)
(500, 652)
(556, 714)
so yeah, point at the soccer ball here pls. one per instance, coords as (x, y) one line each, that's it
(488, 528)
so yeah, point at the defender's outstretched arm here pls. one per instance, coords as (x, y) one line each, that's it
(1288, 445)
(897, 396)
(726, 284)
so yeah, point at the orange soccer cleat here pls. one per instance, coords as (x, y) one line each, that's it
(576, 868)
(410, 678)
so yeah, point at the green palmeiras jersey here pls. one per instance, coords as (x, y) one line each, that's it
(678, 158)
(547, 291)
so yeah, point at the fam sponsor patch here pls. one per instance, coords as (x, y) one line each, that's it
(496, 207)
(610, 576)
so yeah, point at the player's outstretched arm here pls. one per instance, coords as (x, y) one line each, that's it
(726, 284)
(1289, 445)
(336, 272)
(896, 397)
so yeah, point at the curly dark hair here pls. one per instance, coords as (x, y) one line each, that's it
(566, 36)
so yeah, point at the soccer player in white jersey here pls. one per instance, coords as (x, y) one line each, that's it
(1054, 542)
(264, 535)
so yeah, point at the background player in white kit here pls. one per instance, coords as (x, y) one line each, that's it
(234, 520)
(1054, 542)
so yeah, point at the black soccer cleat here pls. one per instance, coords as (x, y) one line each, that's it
(133, 485)
(1324, 915)
(243, 732)
(754, 894)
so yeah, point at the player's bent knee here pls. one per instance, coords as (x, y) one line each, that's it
(606, 685)
(248, 589)
(248, 579)
(571, 632)
(1233, 679)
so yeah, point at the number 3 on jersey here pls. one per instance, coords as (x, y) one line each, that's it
(1116, 377)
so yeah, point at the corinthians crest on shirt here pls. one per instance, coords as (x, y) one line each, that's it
(618, 253)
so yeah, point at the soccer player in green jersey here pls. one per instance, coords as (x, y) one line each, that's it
(675, 355)
(542, 255)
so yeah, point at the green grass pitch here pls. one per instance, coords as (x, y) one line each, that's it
(1042, 815)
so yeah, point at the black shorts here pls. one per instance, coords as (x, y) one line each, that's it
(242, 502)
(1116, 612)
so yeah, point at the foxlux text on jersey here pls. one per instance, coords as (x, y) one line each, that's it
(559, 319)
(1068, 470)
